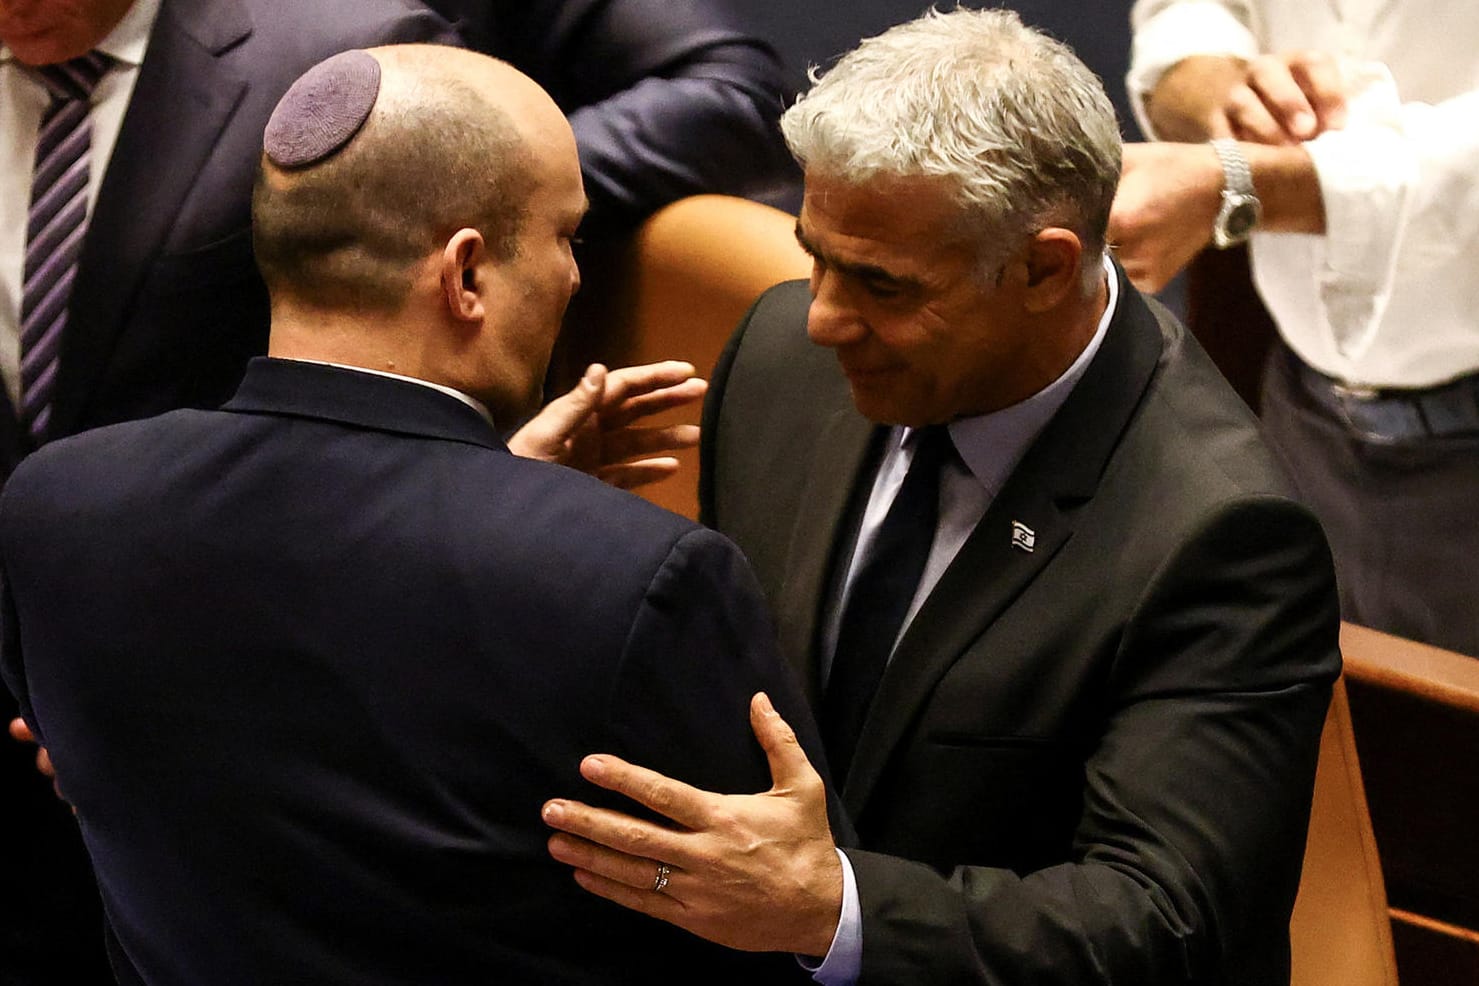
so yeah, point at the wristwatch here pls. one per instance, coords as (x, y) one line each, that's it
(1240, 206)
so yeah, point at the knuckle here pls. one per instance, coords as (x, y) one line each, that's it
(655, 794)
(722, 818)
(638, 841)
(811, 785)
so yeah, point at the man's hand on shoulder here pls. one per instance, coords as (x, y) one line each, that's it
(754, 872)
(598, 427)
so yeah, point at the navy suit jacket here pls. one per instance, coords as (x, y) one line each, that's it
(1091, 761)
(309, 665)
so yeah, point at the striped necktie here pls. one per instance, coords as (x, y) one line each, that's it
(54, 227)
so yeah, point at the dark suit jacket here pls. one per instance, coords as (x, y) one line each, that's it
(309, 665)
(666, 98)
(1087, 763)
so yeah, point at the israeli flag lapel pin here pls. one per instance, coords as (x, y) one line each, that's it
(1024, 538)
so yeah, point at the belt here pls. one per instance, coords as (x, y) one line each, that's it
(1396, 414)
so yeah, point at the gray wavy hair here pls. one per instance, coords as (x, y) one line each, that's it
(1010, 116)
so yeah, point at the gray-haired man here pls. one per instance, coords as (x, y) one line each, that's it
(1084, 749)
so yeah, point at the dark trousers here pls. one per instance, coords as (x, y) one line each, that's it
(1402, 514)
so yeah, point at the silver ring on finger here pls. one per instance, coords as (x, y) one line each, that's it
(660, 883)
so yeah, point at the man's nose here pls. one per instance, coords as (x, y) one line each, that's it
(832, 319)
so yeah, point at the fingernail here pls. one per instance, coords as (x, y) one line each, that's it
(1304, 123)
(593, 766)
(765, 707)
(554, 812)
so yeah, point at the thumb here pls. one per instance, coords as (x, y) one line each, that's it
(546, 434)
(568, 412)
(789, 767)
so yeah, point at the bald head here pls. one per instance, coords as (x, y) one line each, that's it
(374, 159)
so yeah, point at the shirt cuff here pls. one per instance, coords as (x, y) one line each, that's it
(844, 960)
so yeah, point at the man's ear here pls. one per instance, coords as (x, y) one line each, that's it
(462, 282)
(1053, 260)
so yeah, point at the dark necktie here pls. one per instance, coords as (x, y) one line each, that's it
(54, 227)
(879, 599)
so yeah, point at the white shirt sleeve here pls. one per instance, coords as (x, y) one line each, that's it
(844, 961)
(1166, 31)
(1399, 192)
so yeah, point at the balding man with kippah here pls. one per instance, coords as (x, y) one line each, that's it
(308, 665)
(129, 132)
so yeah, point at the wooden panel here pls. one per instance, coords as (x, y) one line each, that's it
(676, 291)
(1339, 934)
(1430, 953)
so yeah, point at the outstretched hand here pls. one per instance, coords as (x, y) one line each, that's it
(596, 428)
(754, 872)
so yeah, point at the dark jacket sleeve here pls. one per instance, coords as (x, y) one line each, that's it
(702, 644)
(667, 99)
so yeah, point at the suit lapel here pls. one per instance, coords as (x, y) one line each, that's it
(1059, 473)
(183, 98)
(818, 529)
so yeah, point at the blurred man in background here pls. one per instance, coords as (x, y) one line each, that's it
(1343, 148)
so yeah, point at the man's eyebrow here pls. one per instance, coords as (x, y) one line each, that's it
(865, 272)
(806, 244)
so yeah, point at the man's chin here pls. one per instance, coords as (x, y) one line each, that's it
(883, 408)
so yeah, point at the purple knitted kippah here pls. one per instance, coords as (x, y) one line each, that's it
(323, 109)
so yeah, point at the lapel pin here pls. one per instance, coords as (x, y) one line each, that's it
(1023, 537)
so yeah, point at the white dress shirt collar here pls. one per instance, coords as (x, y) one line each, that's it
(471, 402)
(992, 444)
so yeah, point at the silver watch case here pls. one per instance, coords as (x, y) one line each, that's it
(1240, 209)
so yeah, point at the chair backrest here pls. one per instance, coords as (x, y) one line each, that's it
(679, 287)
(1340, 934)
(1415, 709)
